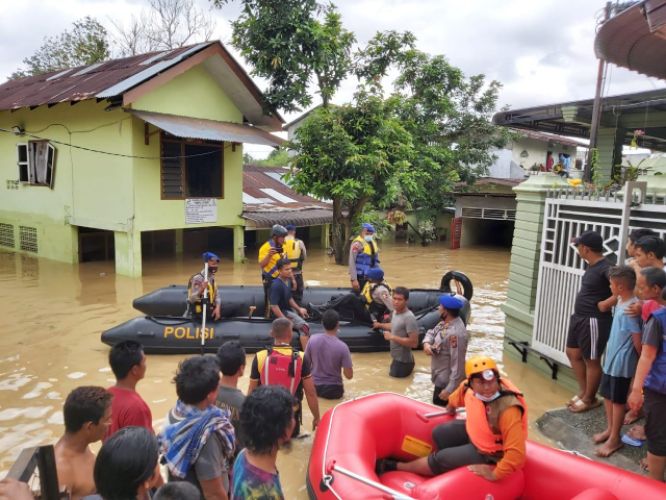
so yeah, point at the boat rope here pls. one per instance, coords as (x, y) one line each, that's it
(327, 478)
(169, 320)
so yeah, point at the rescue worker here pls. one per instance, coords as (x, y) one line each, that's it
(198, 284)
(296, 253)
(494, 433)
(363, 255)
(446, 344)
(373, 304)
(287, 368)
(269, 254)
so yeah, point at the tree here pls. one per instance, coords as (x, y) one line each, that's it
(85, 43)
(167, 24)
(294, 44)
(351, 154)
(277, 158)
(448, 115)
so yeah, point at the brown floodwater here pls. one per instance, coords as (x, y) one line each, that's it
(52, 314)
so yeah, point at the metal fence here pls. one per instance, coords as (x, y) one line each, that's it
(567, 214)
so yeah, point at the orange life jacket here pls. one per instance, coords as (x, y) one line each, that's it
(280, 365)
(482, 423)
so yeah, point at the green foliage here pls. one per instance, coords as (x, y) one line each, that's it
(85, 43)
(293, 43)
(276, 158)
(447, 115)
(351, 154)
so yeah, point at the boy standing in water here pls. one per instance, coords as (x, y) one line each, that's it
(620, 362)
(446, 344)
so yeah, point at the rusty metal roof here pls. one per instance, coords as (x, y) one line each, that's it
(636, 38)
(267, 200)
(112, 79)
(195, 128)
(299, 218)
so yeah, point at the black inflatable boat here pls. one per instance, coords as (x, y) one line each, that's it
(164, 330)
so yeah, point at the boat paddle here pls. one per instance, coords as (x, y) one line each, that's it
(204, 301)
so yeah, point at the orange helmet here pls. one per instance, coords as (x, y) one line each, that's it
(479, 364)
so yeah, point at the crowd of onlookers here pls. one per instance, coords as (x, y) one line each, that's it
(619, 315)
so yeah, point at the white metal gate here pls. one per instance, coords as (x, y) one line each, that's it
(567, 214)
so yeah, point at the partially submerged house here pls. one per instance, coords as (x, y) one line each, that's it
(128, 149)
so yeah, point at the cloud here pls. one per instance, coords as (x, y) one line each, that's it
(542, 52)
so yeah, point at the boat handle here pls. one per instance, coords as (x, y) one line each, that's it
(432, 414)
(396, 495)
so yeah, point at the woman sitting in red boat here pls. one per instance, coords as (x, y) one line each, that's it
(491, 441)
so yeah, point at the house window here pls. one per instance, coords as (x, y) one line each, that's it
(36, 163)
(191, 168)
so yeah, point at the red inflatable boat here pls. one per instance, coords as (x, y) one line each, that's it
(354, 434)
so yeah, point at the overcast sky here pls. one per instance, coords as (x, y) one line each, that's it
(541, 51)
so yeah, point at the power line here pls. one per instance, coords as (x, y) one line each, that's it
(109, 153)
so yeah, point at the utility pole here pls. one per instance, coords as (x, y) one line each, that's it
(596, 109)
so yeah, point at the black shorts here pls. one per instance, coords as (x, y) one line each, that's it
(589, 334)
(615, 389)
(401, 370)
(654, 406)
(330, 391)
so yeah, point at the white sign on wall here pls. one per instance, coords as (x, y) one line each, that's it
(200, 210)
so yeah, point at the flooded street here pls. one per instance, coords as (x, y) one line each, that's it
(52, 315)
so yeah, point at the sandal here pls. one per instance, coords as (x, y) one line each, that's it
(631, 441)
(573, 400)
(581, 406)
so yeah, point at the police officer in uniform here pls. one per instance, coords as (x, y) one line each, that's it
(296, 253)
(198, 284)
(269, 255)
(363, 255)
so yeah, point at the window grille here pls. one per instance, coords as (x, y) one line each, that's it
(7, 235)
(28, 239)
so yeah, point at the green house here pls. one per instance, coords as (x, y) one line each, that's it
(125, 150)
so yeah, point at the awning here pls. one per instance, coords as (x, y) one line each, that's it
(314, 217)
(636, 38)
(195, 128)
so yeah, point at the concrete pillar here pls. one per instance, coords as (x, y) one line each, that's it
(325, 238)
(525, 255)
(606, 144)
(128, 253)
(179, 241)
(239, 244)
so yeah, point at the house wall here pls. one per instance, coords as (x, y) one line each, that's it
(536, 151)
(120, 194)
(195, 93)
(90, 189)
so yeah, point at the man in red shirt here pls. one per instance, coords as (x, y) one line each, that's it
(128, 363)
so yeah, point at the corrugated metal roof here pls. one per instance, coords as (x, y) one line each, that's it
(308, 217)
(116, 77)
(76, 84)
(193, 128)
(635, 38)
(264, 210)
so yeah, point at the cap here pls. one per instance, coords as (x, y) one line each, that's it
(375, 274)
(590, 239)
(449, 301)
(210, 256)
(368, 227)
(278, 230)
(290, 227)
(479, 364)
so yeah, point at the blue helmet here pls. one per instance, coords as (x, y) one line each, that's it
(450, 302)
(368, 227)
(210, 256)
(375, 274)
